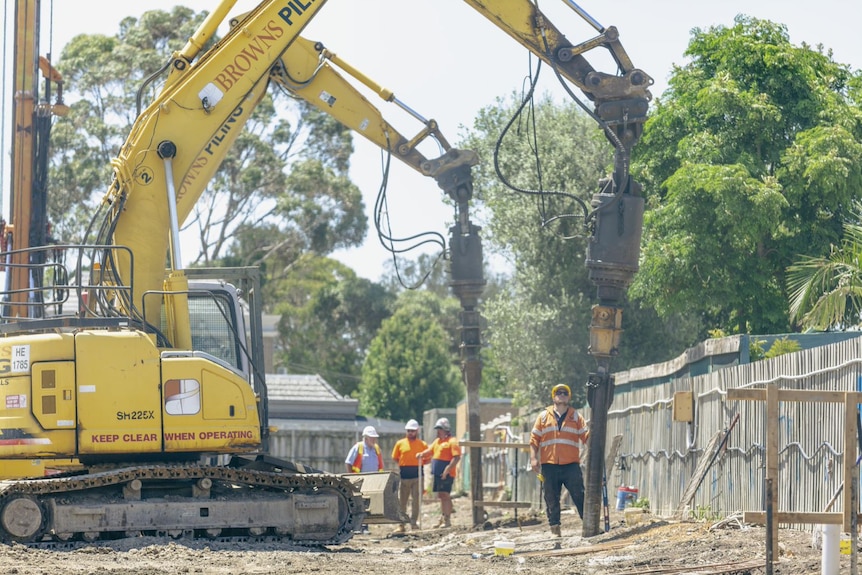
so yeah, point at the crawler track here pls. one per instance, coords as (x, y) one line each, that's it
(179, 501)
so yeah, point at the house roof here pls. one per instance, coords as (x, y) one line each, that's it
(294, 396)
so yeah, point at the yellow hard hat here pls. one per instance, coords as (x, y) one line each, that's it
(560, 386)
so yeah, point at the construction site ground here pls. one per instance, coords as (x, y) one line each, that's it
(649, 544)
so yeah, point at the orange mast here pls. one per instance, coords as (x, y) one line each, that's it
(25, 91)
(28, 194)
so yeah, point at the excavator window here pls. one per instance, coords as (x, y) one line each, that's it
(213, 326)
(213, 321)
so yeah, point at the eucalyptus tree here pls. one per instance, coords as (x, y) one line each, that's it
(285, 174)
(328, 317)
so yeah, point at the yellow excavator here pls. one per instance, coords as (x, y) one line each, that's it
(139, 388)
(126, 388)
(120, 377)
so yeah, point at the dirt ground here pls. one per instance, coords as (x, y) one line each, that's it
(653, 545)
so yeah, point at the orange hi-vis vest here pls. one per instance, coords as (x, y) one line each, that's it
(357, 463)
(559, 442)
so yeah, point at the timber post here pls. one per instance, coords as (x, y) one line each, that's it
(772, 395)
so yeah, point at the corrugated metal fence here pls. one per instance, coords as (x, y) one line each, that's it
(659, 456)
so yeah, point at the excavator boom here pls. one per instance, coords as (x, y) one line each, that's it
(523, 21)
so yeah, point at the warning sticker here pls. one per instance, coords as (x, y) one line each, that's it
(16, 402)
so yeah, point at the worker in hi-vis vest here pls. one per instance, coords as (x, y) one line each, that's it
(558, 437)
(365, 455)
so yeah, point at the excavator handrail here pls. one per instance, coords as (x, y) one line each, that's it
(91, 262)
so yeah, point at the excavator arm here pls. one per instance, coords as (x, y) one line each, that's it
(622, 97)
(615, 224)
(179, 140)
(307, 71)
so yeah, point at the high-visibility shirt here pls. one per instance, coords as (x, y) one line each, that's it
(360, 452)
(559, 441)
(445, 450)
(406, 451)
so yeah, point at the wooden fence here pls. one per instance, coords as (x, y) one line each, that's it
(324, 447)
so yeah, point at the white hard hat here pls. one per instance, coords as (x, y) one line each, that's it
(443, 424)
(369, 431)
(412, 424)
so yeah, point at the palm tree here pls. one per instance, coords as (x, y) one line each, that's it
(826, 292)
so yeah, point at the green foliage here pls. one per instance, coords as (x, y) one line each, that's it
(427, 272)
(432, 275)
(826, 292)
(781, 346)
(753, 156)
(538, 319)
(328, 318)
(705, 513)
(494, 382)
(408, 368)
(756, 352)
(273, 199)
(641, 503)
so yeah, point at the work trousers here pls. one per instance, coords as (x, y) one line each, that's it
(408, 489)
(555, 477)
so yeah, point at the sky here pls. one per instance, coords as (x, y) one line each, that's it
(447, 62)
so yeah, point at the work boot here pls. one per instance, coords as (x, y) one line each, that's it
(555, 531)
(414, 526)
(444, 522)
(401, 528)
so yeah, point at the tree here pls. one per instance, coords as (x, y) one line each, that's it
(431, 275)
(752, 157)
(429, 272)
(408, 368)
(533, 325)
(826, 291)
(328, 318)
(286, 172)
(313, 208)
(538, 324)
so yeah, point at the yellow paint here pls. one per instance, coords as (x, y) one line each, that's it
(504, 548)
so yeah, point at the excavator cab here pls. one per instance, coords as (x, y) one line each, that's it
(91, 384)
